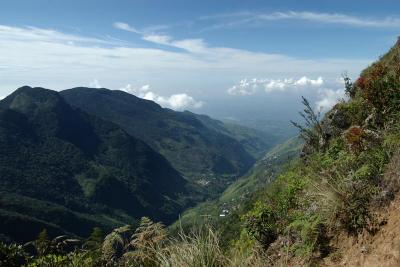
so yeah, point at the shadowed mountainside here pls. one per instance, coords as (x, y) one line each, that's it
(68, 171)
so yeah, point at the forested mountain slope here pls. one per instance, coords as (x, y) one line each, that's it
(68, 171)
(201, 152)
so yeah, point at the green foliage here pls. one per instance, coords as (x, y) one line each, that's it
(310, 232)
(49, 260)
(312, 132)
(348, 86)
(95, 239)
(261, 223)
(12, 255)
(42, 243)
(379, 84)
(354, 213)
(193, 250)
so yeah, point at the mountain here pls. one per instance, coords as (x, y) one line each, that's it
(202, 149)
(255, 142)
(237, 198)
(68, 171)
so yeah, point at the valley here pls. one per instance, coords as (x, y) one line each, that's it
(199, 133)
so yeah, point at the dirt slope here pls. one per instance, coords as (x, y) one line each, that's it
(381, 249)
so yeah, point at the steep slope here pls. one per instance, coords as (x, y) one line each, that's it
(336, 205)
(254, 141)
(68, 171)
(201, 153)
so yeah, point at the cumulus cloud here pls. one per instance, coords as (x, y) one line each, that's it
(328, 93)
(328, 98)
(175, 101)
(249, 87)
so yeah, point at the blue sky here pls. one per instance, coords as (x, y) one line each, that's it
(224, 58)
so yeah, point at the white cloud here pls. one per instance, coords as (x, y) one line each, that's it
(48, 36)
(136, 91)
(52, 59)
(252, 18)
(175, 101)
(190, 45)
(244, 87)
(319, 87)
(249, 87)
(125, 27)
(94, 84)
(304, 81)
(328, 98)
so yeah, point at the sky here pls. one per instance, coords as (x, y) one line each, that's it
(228, 59)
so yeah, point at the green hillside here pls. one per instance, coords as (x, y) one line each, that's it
(202, 149)
(344, 181)
(67, 171)
(224, 213)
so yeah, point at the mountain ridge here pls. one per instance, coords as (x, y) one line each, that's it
(56, 155)
(196, 149)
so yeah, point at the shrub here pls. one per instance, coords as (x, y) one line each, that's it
(355, 214)
(311, 235)
(355, 138)
(261, 223)
(197, 249)
(312, 132)
(12, 255)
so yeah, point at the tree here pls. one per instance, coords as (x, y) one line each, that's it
(312, 131)
(42, 243)
(95, 239)
(348, 85)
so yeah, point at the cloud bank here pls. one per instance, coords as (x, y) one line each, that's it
(176, 101)
(250, 87)
(327, 92)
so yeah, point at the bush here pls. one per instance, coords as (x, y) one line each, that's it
(355, 138)
(355, 214)
(12, 255)
(261, 223)
(198, 249)
(311, 235)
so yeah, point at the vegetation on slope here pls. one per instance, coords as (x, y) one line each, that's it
(339, 183)
(225, 212)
